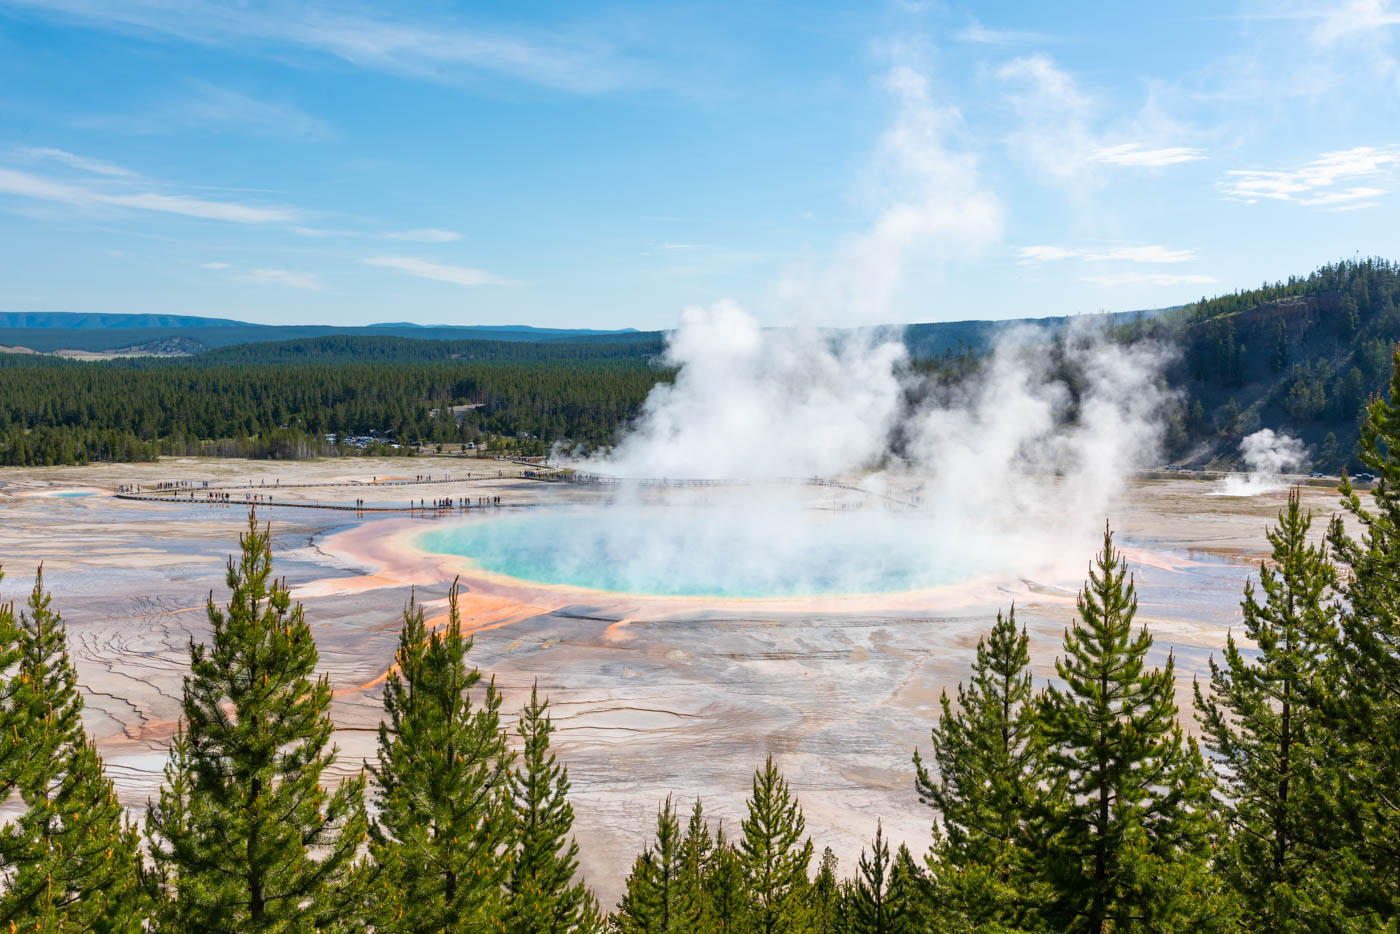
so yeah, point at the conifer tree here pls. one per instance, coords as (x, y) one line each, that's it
(1126, 847)
(175, 892)
(542, 897)
(639, 912)
(74, 860)
(15, 757)
(697, 848)
(909, 894)
(1361, 695)
(882, 898)
(826, 897)
(441, 840)
(726, 888)
(1269, 741)
(654, 901)
(256, 844)
(990, 759)
(775, 856)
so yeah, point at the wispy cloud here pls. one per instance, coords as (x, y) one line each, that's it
(1046, 254)
(1149, 278)
(436, 50)
(1129, 254)
(41, 188)
(1133, 154)
(1358, 19)
(81, 163)
(215, 109)
(1054, 135)
(319, 232)
(1329, 180)
(290, 278)
(426, 235)
(1060, 131)
(440, 272)
(213, 265)
(977, 34)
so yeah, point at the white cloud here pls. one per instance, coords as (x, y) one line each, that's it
(679, 247)
(438, 50)
(317, 232)
(1132, 154)
(1059, 130)
(1341, 55)
(1145, 254)
(291, 278)
(26, 185)
(1047, 254)
(211, 108)
(441, 272)
(1343, 196)
(1149, 278)
(213, 265)
(1130, 254)
(426, 235)
(215, 106)
(1356, 20)
(1054, 135)
(977, 34)
(1323, 182)
(82, 163)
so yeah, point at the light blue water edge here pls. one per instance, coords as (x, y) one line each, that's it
(658, 551)
(74, 495)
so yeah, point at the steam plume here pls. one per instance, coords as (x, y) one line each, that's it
(1010, 469)
(1267, 456)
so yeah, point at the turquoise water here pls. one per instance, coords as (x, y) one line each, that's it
(701, 553)
(73, 495)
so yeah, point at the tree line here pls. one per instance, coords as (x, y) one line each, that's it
(1083, 806)
(359, 348)
(52, 412)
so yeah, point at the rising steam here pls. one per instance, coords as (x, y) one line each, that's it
(1011, 470)
(1267, 457)
(1008, 471)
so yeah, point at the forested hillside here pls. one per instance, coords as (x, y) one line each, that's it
(348, 348)
(1304, 355)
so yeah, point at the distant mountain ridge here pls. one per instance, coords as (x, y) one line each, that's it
(523, 328)
(83, 320)
(124, 336)
(53, 332)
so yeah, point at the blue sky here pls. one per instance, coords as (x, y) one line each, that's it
(608, 165)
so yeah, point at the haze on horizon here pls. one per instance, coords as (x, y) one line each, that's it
(317, 163)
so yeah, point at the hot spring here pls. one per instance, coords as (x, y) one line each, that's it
(717, 552)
